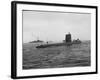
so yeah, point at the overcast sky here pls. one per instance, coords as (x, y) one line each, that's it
(52, 26)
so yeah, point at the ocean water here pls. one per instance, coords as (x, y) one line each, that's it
(56, 56)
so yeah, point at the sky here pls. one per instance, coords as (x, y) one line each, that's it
(53, 26)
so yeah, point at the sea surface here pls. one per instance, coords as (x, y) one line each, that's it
(56, 56)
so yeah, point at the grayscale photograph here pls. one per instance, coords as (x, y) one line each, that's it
(54, 39)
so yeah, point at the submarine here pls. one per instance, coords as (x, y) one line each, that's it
(67, 42)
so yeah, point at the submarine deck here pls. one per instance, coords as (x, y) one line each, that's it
(57, 44)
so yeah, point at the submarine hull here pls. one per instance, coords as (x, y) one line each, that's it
(57, 44)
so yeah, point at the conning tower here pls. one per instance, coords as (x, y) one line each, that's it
(68, 38)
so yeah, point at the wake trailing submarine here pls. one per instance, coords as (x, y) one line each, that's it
(67, 42)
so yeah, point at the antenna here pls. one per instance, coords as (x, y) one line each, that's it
(33, 36)
(37, 38)
(68, 32)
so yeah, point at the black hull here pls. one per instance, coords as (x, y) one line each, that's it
(57, 44)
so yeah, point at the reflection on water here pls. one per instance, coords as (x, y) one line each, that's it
(56, 57)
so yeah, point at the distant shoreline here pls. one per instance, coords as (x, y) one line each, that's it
(56, 41)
